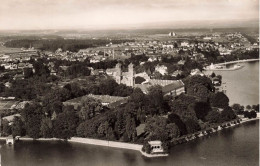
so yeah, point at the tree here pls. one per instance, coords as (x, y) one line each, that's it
(193, 83)
(219, 100)
(120, 123)
(256, 107)
(192, 125)
(66, 123)
(103, 129)
(248, 107)
(28, 72)
(155, 98)
(200, 92)
(90, 107)
(46, 128)
(238, 108)
(173, 130)
(74, 89)
(173, 118)
(131, 128)
(213, 117)
(213, 75)
(202, 109)
(32, 115)
(227, 114)
(18, 127)
(6, 129)
(156, 127)
(183, 106)
(2, 87)
(40, 68)
(253, 114)
(139, 80)
(147, 148)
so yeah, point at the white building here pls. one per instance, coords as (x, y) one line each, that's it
(184, 44)
(172, 34)
(161, 69)
(156, 146)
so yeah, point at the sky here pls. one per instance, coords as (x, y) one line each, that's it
(84, 14)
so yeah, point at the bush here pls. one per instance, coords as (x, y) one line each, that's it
(147, 148)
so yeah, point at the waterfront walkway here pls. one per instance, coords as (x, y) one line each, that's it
(238, 61)
(136, 147)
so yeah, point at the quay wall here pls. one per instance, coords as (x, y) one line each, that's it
(113, 144)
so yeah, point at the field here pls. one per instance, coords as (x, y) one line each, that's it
(7, 50)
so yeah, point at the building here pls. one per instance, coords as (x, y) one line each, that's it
(156, 146)
(10, 118)
(10, 140)
(161, 69)
(126, 78)
(106, 100)
(174, 89)
(169, 87)
(196, 72)
(172, 34)
(184, 44)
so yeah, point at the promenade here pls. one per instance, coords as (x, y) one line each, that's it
(238, 61)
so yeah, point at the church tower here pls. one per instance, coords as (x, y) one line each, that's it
(118, 73)
(131, 75)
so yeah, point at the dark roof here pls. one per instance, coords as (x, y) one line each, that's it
(173, 86)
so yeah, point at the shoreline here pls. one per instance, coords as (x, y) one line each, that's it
(137, 147)
(225, 125)
(237, 61)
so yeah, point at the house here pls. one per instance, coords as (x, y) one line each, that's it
(196, 72)
(176, 73)
(169, 87)
(22, 104)
(174, 89)
(151, 59)
(181, 62)
(184, 44)
(156, 146)
(161, 69)
(216, 81)
(207, 38)
(10, 118)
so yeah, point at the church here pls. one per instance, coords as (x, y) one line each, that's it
(127, 78)
(169, 87)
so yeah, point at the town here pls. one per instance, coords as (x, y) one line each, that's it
(145, 89)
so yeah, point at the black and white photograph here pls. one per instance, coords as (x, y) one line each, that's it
(129, 83)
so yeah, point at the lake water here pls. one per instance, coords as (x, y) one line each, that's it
(236, 146)
(242, 85)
